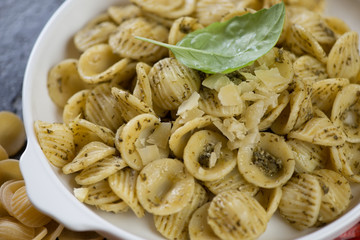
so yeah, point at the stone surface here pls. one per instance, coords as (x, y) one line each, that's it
(20, 24)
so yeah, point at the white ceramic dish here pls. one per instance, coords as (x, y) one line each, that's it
(51, 191)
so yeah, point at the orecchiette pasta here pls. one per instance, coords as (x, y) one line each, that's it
(210, 156)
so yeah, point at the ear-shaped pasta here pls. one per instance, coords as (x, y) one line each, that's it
(85, 132)
(99, 64)
(336, 194)
(344, 57)
(164, 186)
(7, 191)
(10, 228)
(345, 160)
(198, 226)
(181, 27)
(134, 137)
(211, 104)
(142, 89)
(119, 14)
(95, 32)
(89, 154)
(100, 170)
(325, 91)
(301, 200)
(9, 170)
(209, 11)
(25, 212)
(337, 25)
(123, 184)
(231, 181)
(308, 156)
(269, 199)
(207, 157)
(101, 108)
(118, 206)
(56, 141)
(175, 226)
(268, 164)
(309, 69)
(297, 112)
(63, 81)
(123, 41)
(130, 105)
(180, 136)
(172, 83)
(75, 106)
(240, 10)
(165, 9)
(100, 193)
(320, 131)
(345, 112)
(236, 215)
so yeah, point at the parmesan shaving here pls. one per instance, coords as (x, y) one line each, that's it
(160, 136)
(149, 154)
(191, 103)
(81, 193)
(230, 95)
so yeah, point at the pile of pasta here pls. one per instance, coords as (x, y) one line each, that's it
(209, 155)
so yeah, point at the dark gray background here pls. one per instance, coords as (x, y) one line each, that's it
(20, 24)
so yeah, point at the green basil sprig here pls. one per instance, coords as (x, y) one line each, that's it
(231, 45)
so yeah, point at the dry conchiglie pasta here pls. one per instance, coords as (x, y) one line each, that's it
(56, 141)
(199, 229)
(63, 81)
(67, 234)
(7, 191)
(309, 69)
(101, 107)
(123, 184)
(25, 212)
(336, 197)
(172, 83)
(345, 112)
(236, 215)
(9, 170)
(89, 154)
(12, 137)
(12, 229)
(207, 157)
(301, 200)
(209, 11)
(164, 186)
(268, 164)
(344, 58)
(95, 32)
(53, 229)
(175, 226)
(119, 14)
(75, 106)
(100, 64)
(123, 41)
(308, 156)
(3, 153)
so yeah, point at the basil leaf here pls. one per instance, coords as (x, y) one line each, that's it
(231, 45)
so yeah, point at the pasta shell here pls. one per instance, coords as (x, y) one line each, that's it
(268, 164)
(101, 108)
(54, 229)
(269, 199)
(345, 112)
(75, 106)
(175, 226)
(63, 81)
(236, 215)
(309, 69)
(56, 141)
(209, 11)
(231, 181)
(100, 193)
(7, 191)
(118, 206)
(240, 10)
(301, 200)
(199, 229)
(9, 170)
(336, 194)
(180, 136)
(96, 31)
(99, 64)
(68, 234)
(142, 88)
(325, 91)
(172, 83)
(3, 153)
(25, 212)
(313, 5)
(134, 136)
(164, 186)
(130, 105)
(337, 25)
(181, 27)
(123, 41)
(308, 156)
(123, 183)
(119, 14)
(10, 228)
(89, 154)
(344, 58)
(100, 170)
(206, 156)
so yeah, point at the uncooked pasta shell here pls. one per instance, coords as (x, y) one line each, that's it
(9, 170)
(12, 229)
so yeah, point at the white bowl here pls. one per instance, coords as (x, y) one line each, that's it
(51, 191)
